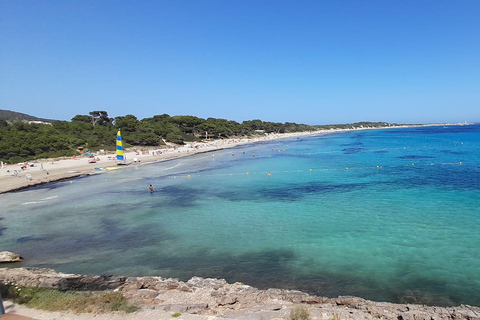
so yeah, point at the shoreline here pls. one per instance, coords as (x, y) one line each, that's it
(59, 169)
(209, 299)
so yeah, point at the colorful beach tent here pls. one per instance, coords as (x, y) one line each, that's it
(119, 147)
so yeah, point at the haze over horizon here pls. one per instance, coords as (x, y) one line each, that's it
(283, 61)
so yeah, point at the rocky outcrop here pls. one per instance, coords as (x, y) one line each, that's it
(49, 278)
(216, 297)
(7, 257)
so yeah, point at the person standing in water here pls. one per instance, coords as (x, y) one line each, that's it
(150, 188)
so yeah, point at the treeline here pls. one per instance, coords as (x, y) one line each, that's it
(20, 141)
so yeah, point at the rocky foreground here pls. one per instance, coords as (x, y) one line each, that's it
(217, 299)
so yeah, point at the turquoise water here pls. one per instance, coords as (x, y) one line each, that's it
(388, 215)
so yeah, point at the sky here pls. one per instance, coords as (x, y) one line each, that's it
(312, 62)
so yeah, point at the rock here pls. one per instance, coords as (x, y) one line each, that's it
(287, 295)
(132, 283)
(147, 294)
(216, 297)
(184, 308)
(207, 283)
(183, 287)
(172, 284)
(348, 301)
(227, 300)
(45, 278)
(7, 257)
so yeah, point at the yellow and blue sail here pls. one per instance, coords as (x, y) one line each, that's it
(119, 147)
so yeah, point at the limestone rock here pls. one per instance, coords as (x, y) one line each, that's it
(7, 257)
(218, 298)
(47, 278)
(207, 283)
(183, 308)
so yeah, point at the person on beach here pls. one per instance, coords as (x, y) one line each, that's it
(150, 188)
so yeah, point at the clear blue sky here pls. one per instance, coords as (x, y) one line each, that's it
(313, 62)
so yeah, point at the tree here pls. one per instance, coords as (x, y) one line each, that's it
(99, 117)
(187, 123)
(127, 123)
(81, 118)
(253, 124)
(174, 138)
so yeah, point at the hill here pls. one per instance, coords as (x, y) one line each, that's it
(13, 116)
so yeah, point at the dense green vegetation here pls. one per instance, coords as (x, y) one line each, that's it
(20, 140)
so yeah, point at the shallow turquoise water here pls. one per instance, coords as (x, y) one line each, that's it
(382, 214)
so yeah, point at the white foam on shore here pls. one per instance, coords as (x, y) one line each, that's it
(40, 201)
(177, 165)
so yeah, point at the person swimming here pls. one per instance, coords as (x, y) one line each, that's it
(150, 188)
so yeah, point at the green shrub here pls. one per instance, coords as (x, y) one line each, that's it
(79, 302)
(299, 313)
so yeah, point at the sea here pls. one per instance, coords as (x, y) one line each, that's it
(388, 215)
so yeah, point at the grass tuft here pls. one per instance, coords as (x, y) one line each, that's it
(299, 313)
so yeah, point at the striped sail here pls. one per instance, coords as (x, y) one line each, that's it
(119, 147)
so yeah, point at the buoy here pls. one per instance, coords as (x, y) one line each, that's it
(460, 162)
(413, 164)
(248, 173)
(378, 167)
(311, 170)
(188, 176)
(346, 168)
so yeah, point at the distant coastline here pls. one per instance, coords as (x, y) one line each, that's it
(59, 169)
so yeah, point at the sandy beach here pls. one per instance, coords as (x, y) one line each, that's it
(13, 177)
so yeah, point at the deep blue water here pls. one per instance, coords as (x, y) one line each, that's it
(388, 215)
